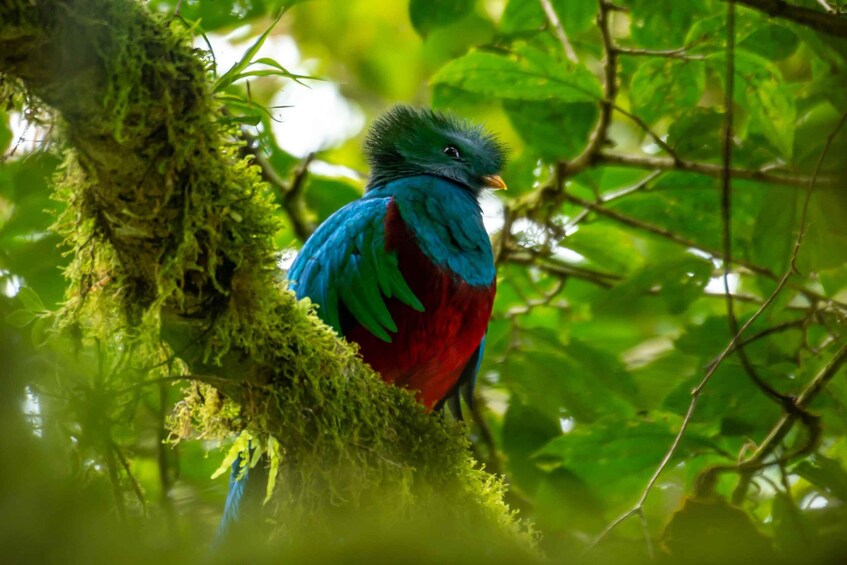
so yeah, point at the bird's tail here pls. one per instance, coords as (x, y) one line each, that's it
(244, 499)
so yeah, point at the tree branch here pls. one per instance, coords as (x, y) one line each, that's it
(679, 53)
(553, 18)
(293, 203)
(610, 92)
(831, 24)
(708, 169)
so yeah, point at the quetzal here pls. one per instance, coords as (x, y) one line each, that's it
(407, 271)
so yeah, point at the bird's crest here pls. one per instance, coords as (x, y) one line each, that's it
(407, 141)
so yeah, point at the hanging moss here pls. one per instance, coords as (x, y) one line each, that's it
(171, 234)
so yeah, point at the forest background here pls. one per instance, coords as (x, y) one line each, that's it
(663, 373)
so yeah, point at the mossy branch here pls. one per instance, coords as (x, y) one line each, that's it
(160, 205)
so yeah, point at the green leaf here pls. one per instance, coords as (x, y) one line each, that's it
(825, 473)
(233, 73)
(664, 87)
(21, 318)
(241, 445)
(426, 15)
(663, 24)
(684, 203)
(247, 120)
(732, 536)
(40, 331)
(825, 244)
(772, 41)
(731, 398)
(522, 16)
(808, 139)
(695, 133)
(5, 132)
(790, 527)
(677, 280)
(556, 130)
(325, 195)
(759, 89)
(706, 338)
(833, 280)
(581, 379)
(773, 234)
(274, 458)
(526, 73)
(30, 299)
(576, 16)
(606, 247)
(525, 430)
(614, 456)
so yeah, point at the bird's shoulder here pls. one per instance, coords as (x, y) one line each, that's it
(445, 221)
(346, 261)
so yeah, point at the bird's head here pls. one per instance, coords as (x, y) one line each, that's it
(406, 142)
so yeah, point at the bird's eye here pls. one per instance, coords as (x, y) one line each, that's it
(451, 151)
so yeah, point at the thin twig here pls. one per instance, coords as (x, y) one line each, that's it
(639, 505)
(643, 125)
(553, 18)
(531, 304)
(707, 169)
(610, 91)
(679, 53)
(637, 187)
(114, 479)
(792, 324)
(136, 485)
(292, 200)
(560, 269)
(606, 198)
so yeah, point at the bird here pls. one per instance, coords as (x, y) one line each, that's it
(407, 271)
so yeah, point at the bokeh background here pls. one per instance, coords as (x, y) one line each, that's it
(608, 313)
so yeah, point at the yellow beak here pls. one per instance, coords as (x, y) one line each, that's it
(494, 181)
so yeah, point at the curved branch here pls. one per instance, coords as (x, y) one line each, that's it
(828, 23)
(709, 169)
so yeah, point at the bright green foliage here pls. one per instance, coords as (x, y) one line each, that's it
(605, 320)
(525, 73)
(427, 15)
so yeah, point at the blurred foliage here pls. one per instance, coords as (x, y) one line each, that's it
(602, 326)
